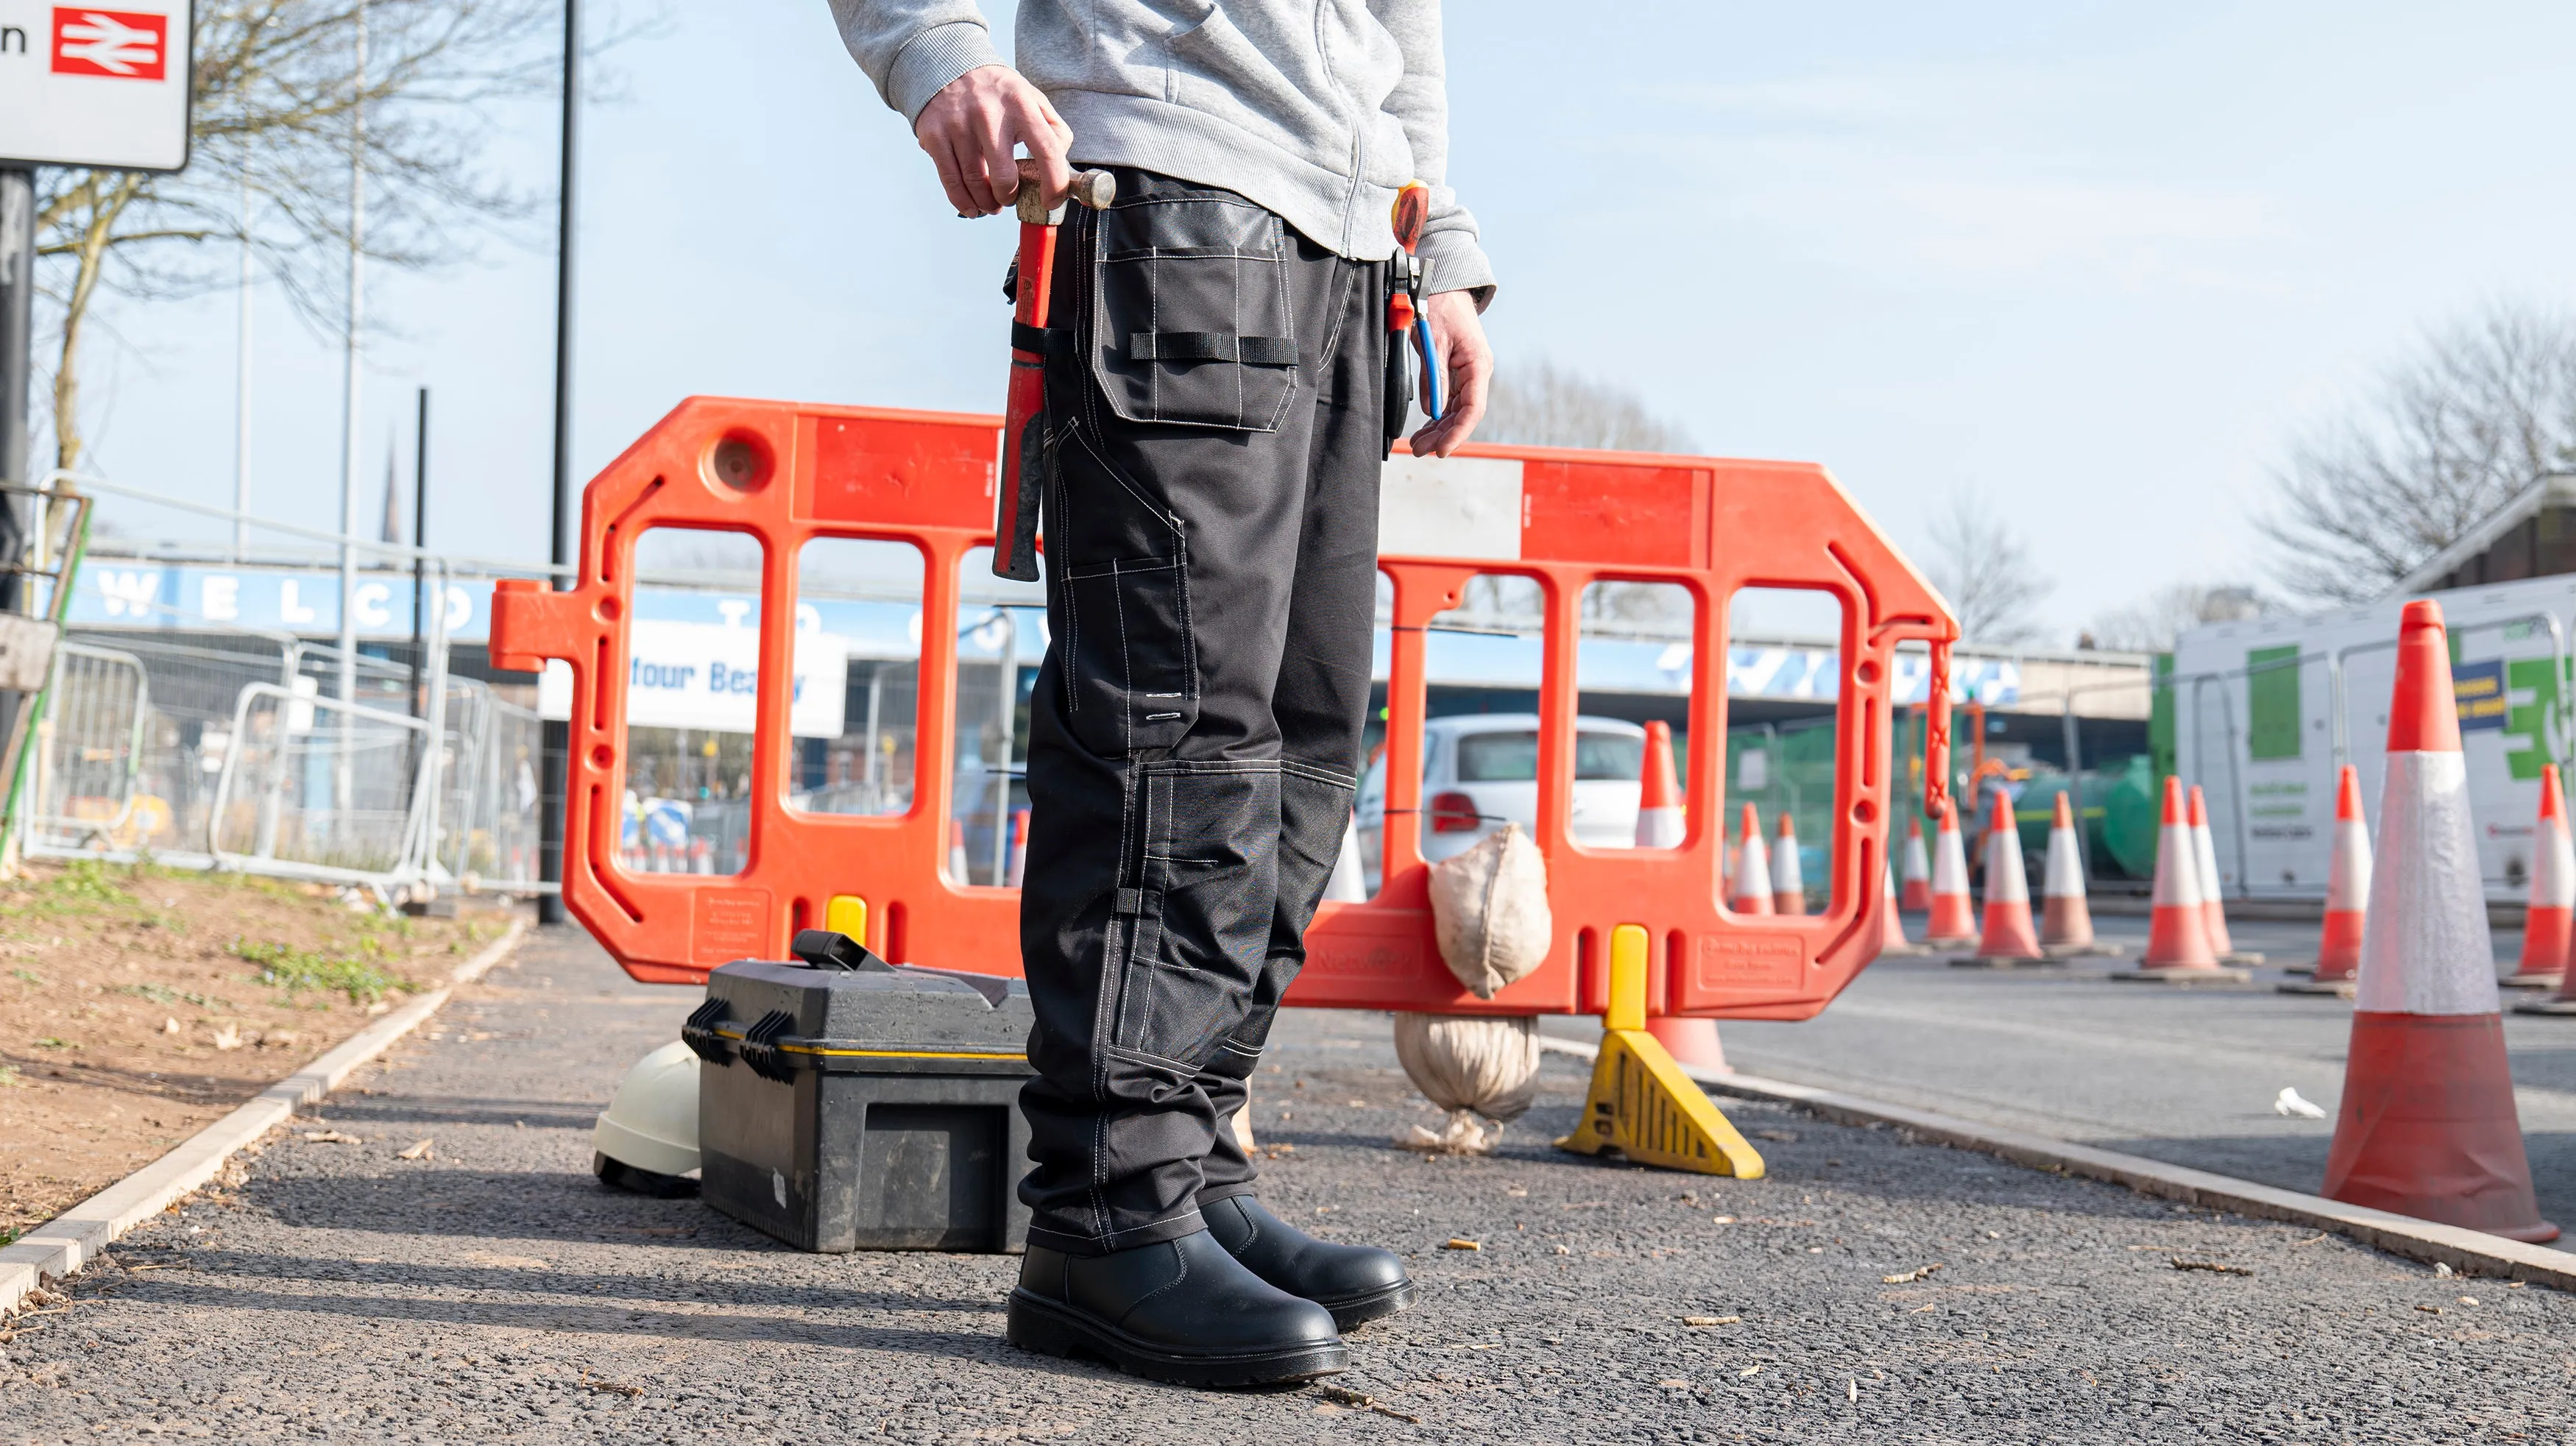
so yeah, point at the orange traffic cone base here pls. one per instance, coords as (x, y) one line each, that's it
(1693, 1042)
(2428, 1126)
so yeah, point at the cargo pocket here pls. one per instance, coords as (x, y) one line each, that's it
(1134, 676)
(1207, 880)
(1192, 323)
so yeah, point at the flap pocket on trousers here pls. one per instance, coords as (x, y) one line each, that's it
(1193, 324)
(1129, 667)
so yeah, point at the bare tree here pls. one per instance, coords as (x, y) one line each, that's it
(278, 104)
(2152, 624)
(2481, 408)
(1544, 405)
(1984, 568)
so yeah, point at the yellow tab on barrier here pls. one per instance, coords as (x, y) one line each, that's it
(1640, 1103)
(847, 914)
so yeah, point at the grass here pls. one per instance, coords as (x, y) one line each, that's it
(28, 976)
(49, 1042)
(285, 967)
(9, 1235)
(159, 994)
(9, 1079)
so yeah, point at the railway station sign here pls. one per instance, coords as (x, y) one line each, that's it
(93, 85)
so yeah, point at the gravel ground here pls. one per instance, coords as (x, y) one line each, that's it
(493, 1292)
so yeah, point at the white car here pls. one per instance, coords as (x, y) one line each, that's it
(1480, 771)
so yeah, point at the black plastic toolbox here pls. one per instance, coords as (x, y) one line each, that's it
(852, 1104)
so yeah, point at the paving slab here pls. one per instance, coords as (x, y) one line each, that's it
(493, 1291)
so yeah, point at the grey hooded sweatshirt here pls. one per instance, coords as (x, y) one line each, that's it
(1316, 109)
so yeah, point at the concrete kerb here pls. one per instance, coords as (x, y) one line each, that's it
(2470, 1252)
(63, 1245)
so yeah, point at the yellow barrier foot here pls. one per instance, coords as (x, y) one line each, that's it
(1641, 1104)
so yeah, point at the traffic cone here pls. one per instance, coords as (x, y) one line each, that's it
(957, 851)
(1917, 897)
(1018, 866)
(2178, 928)
(2427, 1126)
(1752, 870)
(2553, 892)
(2347, 894)
(1954, 922)
(1659, 797)
(2204, 852)
(1788, 875)
(1891, 922)
(1692, 1042)
(2065, 918)
(1349, 881)
(2008, 935)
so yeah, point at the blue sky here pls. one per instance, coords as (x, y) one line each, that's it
(2100, 262)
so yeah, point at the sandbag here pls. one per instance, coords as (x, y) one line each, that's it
(1471, 1066)
(1489, 911)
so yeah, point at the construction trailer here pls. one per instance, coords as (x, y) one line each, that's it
(2263, 712)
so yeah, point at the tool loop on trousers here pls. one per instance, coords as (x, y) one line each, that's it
(1261, 351)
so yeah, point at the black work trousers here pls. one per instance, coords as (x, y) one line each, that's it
(1214, 428)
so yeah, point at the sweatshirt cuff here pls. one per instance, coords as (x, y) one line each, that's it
(932, 59)
(1457, 263)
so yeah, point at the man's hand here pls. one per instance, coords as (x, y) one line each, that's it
(1459, 336)
(970, 128)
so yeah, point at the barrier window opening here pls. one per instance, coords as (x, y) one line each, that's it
(1001, 639)
(1783, 715)
(858, 614)
(1632, 674)
(692, 674)
(1482, 662)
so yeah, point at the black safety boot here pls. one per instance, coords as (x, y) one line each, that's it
(1181, 1310)
(1355, 1282)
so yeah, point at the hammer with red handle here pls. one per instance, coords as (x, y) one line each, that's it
(1015, 514)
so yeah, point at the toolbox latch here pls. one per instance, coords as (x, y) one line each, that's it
(699, 1033)
(760, 1047)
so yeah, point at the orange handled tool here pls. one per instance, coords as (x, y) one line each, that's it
(1015, 512)
(1404, 303)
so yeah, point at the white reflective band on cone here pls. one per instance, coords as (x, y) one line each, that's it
(1950, 865)
(1788, 876)
(2553, 868)
(2204, 853)
(2005, 882)
(2065, 876)
(1916, 865)
(1659, 828)
(2424, 944)
(2177, 868)
(2348, 888)
(1753, 869)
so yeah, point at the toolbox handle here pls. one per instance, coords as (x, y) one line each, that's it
(832, 949)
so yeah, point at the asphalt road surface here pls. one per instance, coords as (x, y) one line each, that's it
(494, 1292)
(2185, 1075)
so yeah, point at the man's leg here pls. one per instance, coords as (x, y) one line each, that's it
(1321, 699)
(1179, 491)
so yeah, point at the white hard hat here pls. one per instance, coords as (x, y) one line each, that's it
(651, 1127)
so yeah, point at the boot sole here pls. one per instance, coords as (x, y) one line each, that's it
(1040, 1325)
(1375, 1306)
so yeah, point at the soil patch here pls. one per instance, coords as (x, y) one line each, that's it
(139, 1004)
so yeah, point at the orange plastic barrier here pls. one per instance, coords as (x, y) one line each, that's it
(786, 474)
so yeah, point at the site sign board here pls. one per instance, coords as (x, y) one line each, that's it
(95, 85)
